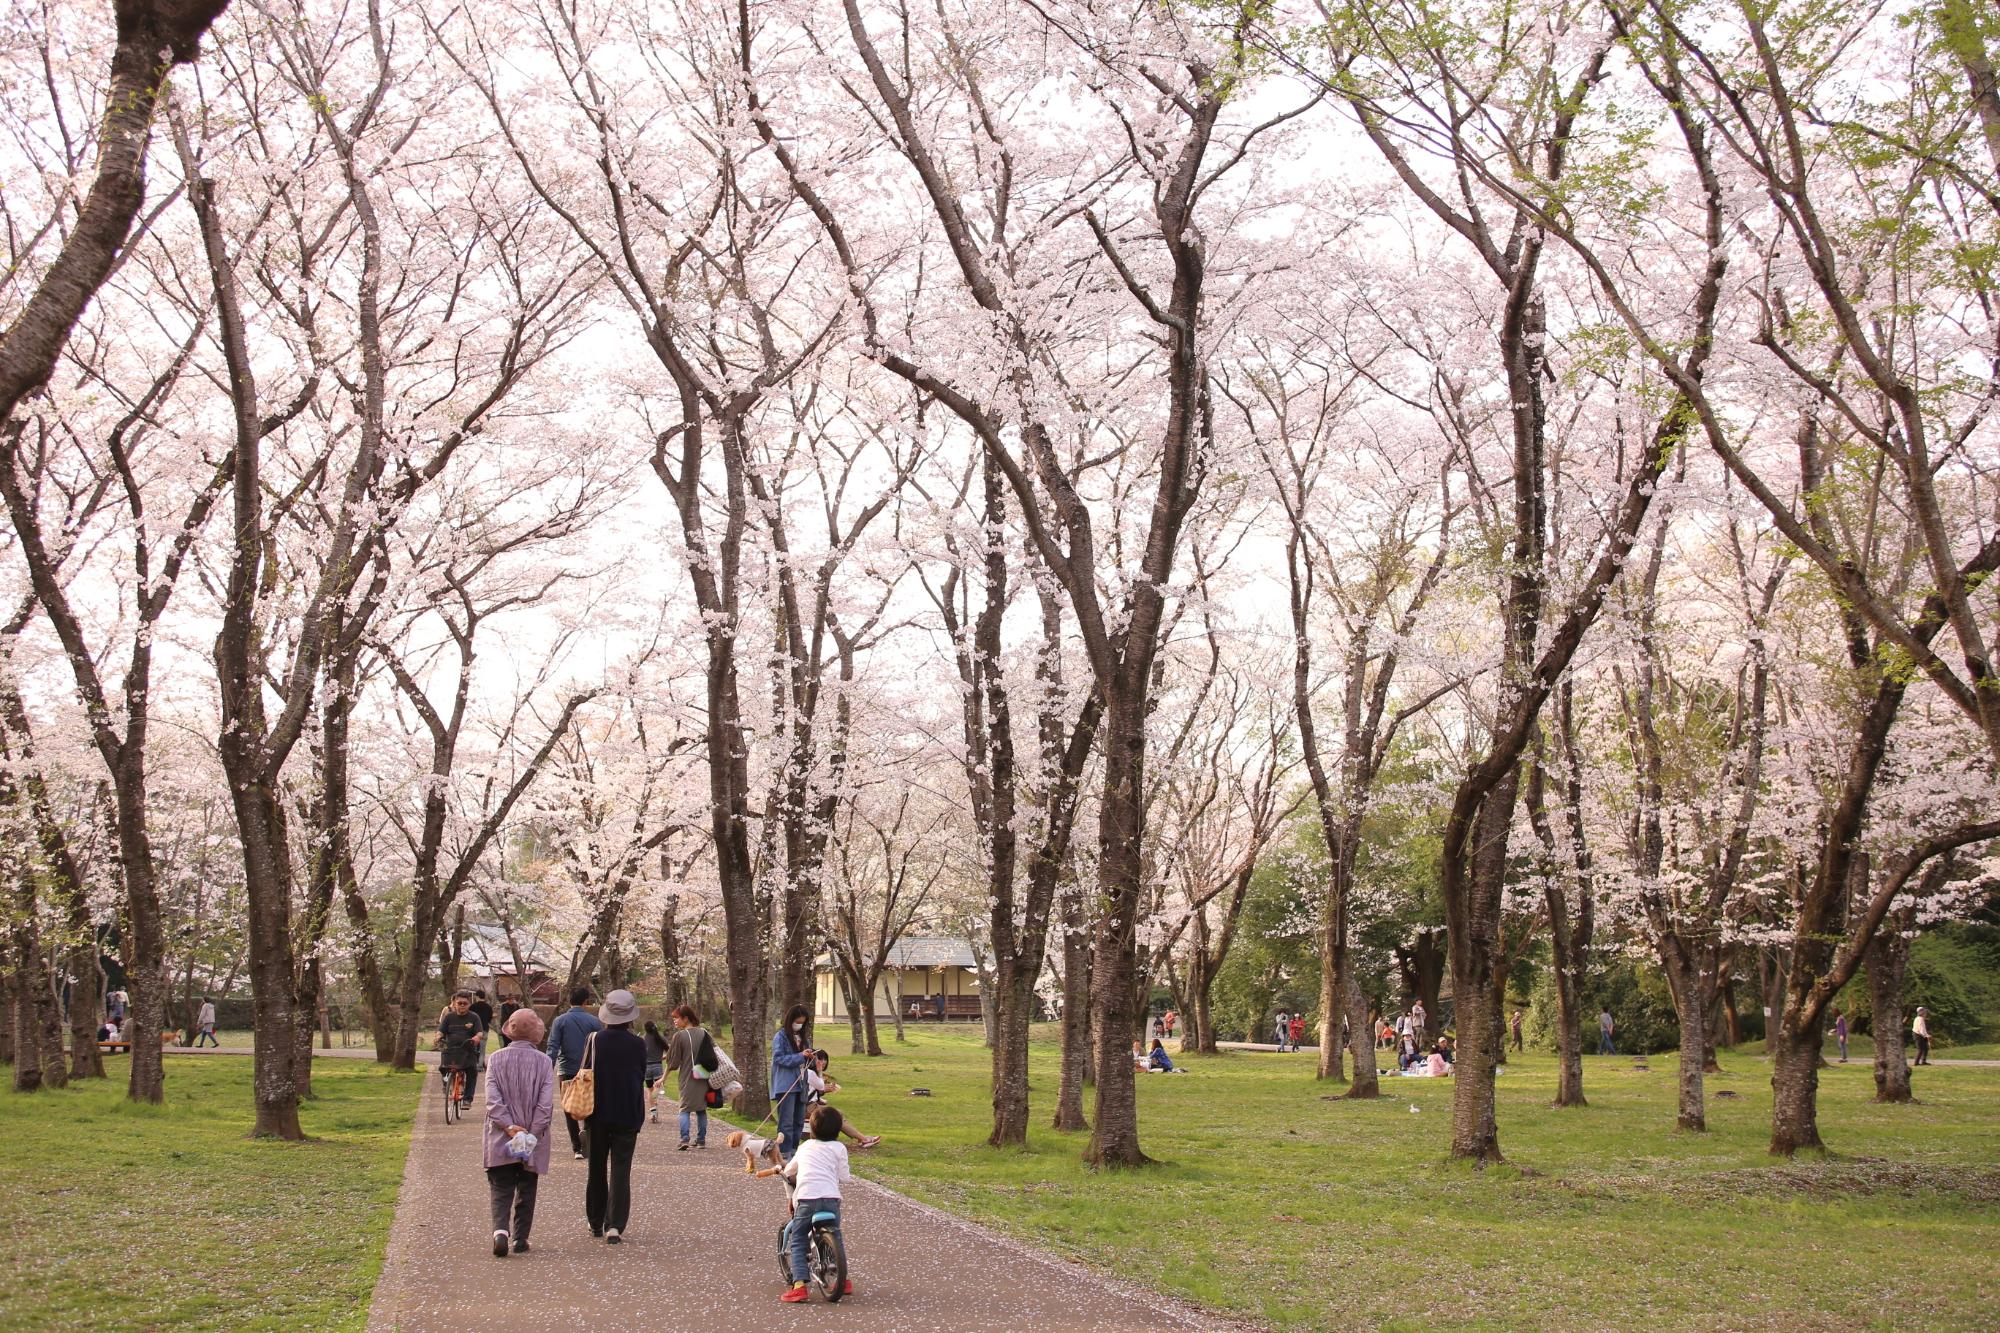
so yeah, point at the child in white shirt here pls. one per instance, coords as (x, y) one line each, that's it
(816, 1173)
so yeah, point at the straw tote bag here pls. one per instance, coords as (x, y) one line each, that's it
(579, 1095)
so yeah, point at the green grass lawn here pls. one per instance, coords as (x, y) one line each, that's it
(1307, 1213)
(120, 1216)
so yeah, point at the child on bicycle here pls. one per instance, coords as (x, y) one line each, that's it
(459, 1033)
(815, 1172)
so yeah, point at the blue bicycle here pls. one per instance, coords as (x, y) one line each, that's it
(826, 1256)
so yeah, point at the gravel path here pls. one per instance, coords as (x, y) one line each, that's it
(700, 1225)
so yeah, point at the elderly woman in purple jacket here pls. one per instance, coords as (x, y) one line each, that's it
(520, 1095)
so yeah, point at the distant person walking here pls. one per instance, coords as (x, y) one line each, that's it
(791, 1049)
(691, 1047)
(1516, 1025)
(484, 1008)
(507, 1011)
(1417, 1022)
(204, 1024)
(1283, 1027)
(612, 1132)
(1920, 1028)
(656, 1071)
(573, 1027)
(520, 1098)
(1840, 1032)
(1298, 1032)
(1605, 1029)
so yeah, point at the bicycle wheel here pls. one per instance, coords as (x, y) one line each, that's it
(785, 1252)
(454, 1089)
(828, 1261)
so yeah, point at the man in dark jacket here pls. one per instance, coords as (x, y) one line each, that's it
(567, 1037)
(613, 1128)
(458, 1042)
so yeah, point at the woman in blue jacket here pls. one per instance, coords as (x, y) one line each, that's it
(790, 1053)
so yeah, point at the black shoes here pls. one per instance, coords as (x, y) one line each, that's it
(520, 1247)
(499, 1245)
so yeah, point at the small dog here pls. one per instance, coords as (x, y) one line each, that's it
(754, 1148)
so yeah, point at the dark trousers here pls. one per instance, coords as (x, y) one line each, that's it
(575, 1125)
(1923, 1050)
(513, 1189)
(607, 1192)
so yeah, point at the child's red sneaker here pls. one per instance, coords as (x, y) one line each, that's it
(847, 1286)
(799, 1292)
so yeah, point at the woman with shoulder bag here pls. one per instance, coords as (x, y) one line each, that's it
(692, 1052)
(617, 1064)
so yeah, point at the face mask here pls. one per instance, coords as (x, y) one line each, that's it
(798, 1027)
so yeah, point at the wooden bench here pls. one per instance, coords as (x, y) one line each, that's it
(115, 1047)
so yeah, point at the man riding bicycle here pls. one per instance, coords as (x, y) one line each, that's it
(460, 1035)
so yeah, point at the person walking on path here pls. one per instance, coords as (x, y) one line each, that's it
(1840, 1032)
(1283, 1027)
(656, 1071)
(685, 1052)
(1417, 1020)
(1605, 1029)
(204, 1024)
(612, 1132)
(520, 1097)
(573, 1027)
(1298, 1032)
(1517, 1029)
(507, 1011)
(817, 1172)
(1920, 1028)
(790, 1050)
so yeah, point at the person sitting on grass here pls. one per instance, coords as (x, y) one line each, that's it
(816, 1172)
(1160, 1062)
(1139, 1060)
(1439, 1068)
(1444, 1048)
(819, 1087)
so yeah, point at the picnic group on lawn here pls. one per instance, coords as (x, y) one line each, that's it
(608, 1081)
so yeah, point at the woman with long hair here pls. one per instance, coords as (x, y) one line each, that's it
(791, 1052)
(685, 1055)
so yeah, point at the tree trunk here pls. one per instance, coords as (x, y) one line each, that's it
(1691, 1009)
(1333, 987)
(85, 1060)
(273, 1003)
(1114, 1135)
(1888, 963)
(849, 991)
(1015, 986)
(1366, 1084)
(1569, 1032)
(1076, 1069)
(38, 1054)
(1795, 1091)
(1475, 1131)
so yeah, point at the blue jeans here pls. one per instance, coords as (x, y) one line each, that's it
(1604, 1043)
(802, 1216)
(792, 1118)
(699, 1115)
